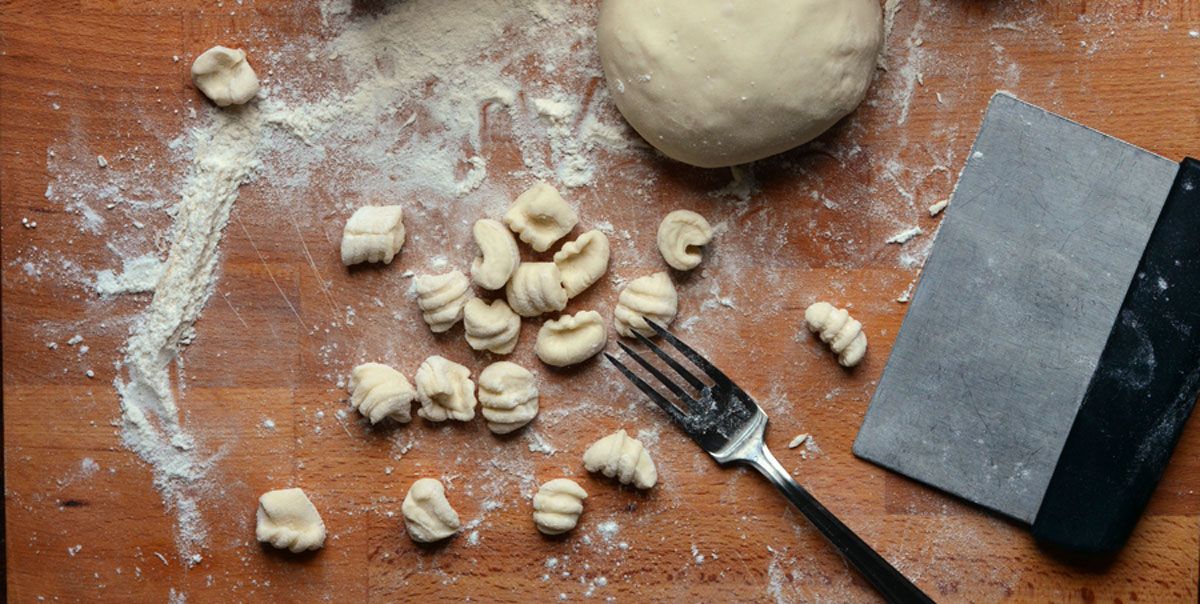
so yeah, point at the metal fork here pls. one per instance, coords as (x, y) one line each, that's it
(729, 425)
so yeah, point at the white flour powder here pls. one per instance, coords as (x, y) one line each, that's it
(226, 156)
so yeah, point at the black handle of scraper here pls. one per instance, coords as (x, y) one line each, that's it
(1141, 394)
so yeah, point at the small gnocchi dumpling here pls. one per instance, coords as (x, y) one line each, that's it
(536, 288)
(557, 506)
(569, 339)
(651, 297)
(540, 217)
(445, 390)
(224, 76)
(621, 457)
(427, 514)
(494, 327)
(680, 236)
(373, 234)
(378, 391)
(288, 520)
(582, 262)
(498, 254)
(838, 329)
(508, 396)
(442, 298)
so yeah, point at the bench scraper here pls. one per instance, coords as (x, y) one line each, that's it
(1051, 354)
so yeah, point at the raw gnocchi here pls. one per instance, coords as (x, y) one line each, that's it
(373, 234)
(224, 76)
(427, 513)
(288, 520)
(557, 506)
(571, 339)
(582, 262)
(442, 298)
(498, 254)
(378, 391)
(508, 396)
(621, 457)
(540, 217)
(493, 327)
(445, 390)
(680, 236)
(838, 329)
(536, 288)
(652, 297)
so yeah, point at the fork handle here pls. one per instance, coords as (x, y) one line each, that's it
(888, 581)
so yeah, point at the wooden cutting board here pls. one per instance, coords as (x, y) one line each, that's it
(85, 523)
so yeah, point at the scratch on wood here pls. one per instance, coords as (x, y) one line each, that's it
(263, 260)
(320, 280)
(225, 297)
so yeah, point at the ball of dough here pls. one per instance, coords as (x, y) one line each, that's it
(224, 76)
(716, 83)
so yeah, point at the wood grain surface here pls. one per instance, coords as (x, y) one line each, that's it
(85, 522)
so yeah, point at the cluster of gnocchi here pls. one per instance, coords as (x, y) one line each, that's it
(288, 520)
(539, 217)
(508, 394)
(558, 503)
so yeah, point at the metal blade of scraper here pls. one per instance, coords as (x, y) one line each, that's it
(1015, 305)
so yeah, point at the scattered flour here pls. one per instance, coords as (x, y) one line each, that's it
(538, 444)
(225, 158)
(88, 466)
(608, 529)
(138, 275)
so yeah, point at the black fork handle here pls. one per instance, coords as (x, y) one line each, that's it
(893, 586)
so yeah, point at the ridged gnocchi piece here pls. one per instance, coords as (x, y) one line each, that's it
(379, 392)
(838, 329)
(445, 390)
(498, 254)
(427, 513)
(494, 328)
(536, 288)
(651, 297)
(442, 298)
(582, 262)
(540, 217)
(622, 457)
(373, 234)
(508, 396)
(557, 506)
(680, 236)
(288, 520)
(571, 339)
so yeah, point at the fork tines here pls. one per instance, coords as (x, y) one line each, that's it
(690, 405)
